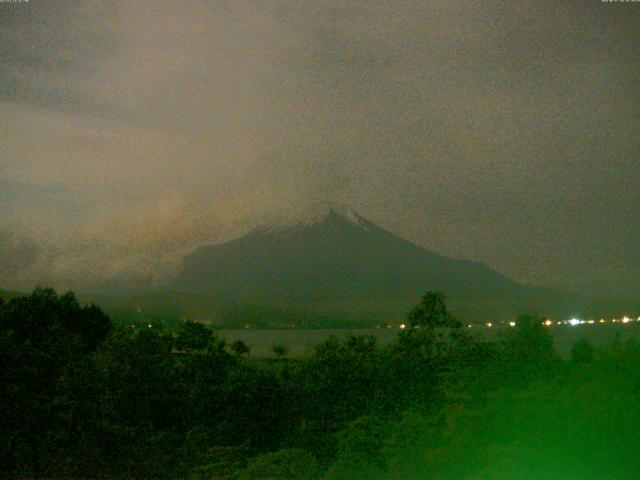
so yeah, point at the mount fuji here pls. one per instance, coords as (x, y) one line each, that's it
(339, 262)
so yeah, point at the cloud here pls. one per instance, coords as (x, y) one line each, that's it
(16, 254)
(498, 132)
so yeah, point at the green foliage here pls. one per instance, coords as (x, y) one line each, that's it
(280, 351)
(82, 400)
(43, 338)
(583, 352)
(192, 336)
(431, 312)
(527, 351)
(359, 454)
(240, 348)
(35, 318)
(285, 464)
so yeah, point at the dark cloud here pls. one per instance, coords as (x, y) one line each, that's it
(16, 254)
(501, 132)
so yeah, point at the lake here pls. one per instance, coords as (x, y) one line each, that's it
(300, 341)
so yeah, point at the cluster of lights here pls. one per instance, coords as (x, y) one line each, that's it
(549, 323)
(572, 322)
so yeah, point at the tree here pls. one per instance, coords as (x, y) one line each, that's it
(280, 351)
(359, 455)
(285, 464)
(431, 312)
(582, 352)
(194, 336)
(240, 348)
(434, 331)
(43, 337)
(35, 318)
(528, 348)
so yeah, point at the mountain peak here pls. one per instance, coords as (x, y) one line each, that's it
(333, 210)
(331, 255)
(331, 213)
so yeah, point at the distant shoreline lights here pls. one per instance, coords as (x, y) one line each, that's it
(573, 322)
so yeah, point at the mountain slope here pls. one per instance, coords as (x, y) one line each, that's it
(344, 263)
(337, 256)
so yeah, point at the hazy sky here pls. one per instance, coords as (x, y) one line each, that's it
(501, 131)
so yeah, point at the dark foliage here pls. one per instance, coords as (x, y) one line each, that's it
(82, 400)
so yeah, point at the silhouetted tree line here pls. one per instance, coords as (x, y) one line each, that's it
(82, 399)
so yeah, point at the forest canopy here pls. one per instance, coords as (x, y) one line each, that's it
(84, 398)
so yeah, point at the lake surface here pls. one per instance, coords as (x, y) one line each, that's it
(300, 341)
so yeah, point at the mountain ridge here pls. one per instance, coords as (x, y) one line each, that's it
(339, 260)
(304, 251)
(335, 268)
